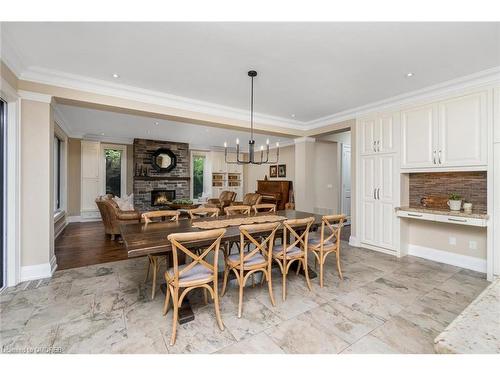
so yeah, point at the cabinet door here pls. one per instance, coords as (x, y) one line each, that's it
(368, 208)
(91, 189)
(367, 128)
(496, 115)
(418, 137)
(462, 131)
(90, 159)
(386, 194)
(386, 125)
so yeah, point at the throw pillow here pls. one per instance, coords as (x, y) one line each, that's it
(125, 203)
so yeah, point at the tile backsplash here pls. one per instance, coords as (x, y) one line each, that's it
(470, 185)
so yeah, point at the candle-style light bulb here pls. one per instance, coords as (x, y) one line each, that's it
(225, 144)
(237, 141)
(261, 148)
(277, 144)
(267, 141)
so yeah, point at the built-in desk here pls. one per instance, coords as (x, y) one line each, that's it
(477, 219)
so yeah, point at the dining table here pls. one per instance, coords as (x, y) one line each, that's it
(141, 239)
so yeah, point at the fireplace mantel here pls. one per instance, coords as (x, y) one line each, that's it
(157, 178)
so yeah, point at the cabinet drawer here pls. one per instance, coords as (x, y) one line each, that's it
(461, 220)
(416, 215)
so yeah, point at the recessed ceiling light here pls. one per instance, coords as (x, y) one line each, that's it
(409, 75)
(116, 75)
(102, 133)
(293, 115)
(157, 123)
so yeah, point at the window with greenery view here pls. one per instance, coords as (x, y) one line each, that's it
(113, 171)
(198, 166)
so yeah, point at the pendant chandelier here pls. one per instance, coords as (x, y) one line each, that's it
(251, 143)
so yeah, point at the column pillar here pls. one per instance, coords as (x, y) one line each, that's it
(304, 174)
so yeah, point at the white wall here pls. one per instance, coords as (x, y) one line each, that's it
(252, 173)
(326, 180)
(343, 137)
(37, 226)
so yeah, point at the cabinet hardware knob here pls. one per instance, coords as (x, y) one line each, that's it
(414, 215)
(457, 220)
(439, 156)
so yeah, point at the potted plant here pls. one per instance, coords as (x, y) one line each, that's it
(455, 202)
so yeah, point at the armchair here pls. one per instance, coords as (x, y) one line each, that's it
(225, 199)
(250, 199)
(112, 216)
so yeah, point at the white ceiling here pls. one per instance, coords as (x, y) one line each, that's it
(123, 128)
(307, 69)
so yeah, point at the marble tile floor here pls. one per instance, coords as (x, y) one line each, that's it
(383, 305)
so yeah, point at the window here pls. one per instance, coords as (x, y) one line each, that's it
(57, 173)
(198, 171)
(113, 171)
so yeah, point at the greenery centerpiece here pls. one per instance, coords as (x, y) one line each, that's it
(182, 203)
(455, 202)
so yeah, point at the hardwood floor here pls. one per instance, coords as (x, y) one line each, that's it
(84, 244)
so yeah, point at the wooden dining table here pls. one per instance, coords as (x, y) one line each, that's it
(141, 239)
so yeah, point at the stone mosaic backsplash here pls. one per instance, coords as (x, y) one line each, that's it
(472, 186)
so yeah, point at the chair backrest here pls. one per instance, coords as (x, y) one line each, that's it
(290, 228)
(181, 242)
(237, 210)
(227, 196)
(331, 226)
(264, 207)
(264, 245)
(203, 212)
(162, 214)
(251, 199)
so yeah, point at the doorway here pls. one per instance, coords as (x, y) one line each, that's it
(345, 183)
(114, 169)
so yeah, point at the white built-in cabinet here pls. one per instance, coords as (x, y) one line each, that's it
(379, 184)
(446, 134)
(90, 178)
(229, 174)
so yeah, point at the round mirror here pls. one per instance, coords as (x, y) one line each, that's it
(163, 160)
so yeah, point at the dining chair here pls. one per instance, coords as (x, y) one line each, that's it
(196, 213)
(199, 273)
(293, 248)
(264, 207)
(237, 210)
(247, 263)
(327, 242)
(154, 260)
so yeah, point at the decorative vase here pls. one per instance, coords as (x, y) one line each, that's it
(468, 207)
(455, 205)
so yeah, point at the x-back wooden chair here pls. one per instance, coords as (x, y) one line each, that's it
(237, 210)
(294, 250)
(154, 260)
(247, 263)
(199, 273)
(328, 242)
(199, 212)
(264, 207)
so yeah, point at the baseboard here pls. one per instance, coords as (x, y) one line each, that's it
(80, 219)
(353, 241)
(53, 265)
(39, 271)
(58, 233)
(463, 261)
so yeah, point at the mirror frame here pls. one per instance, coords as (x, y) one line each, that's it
(169, 153)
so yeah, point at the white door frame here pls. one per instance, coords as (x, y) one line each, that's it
(123, 182)
(342, 208)
(13, 185)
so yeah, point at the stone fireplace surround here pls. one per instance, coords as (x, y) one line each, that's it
(177, 179)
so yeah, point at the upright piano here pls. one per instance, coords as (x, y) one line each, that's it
(277, 192)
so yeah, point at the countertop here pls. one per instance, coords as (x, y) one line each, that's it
(477, 328)
(475, 214)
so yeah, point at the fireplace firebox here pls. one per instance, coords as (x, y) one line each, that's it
(162, 197)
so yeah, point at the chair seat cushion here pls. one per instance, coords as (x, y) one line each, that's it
(292, 252)
(255, 259)
(198, 272)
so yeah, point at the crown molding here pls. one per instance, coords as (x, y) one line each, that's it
(11, 56)
(106, 139)
(77, 82)
(97, 86)
(482, 78)
(62, 122)
(35, 96)
(304, 140)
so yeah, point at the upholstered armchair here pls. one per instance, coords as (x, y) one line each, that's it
(250, 199)
(225, 199)
(112, 216)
